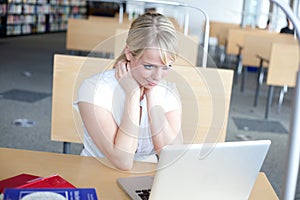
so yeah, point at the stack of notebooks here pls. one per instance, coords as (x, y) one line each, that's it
(31, 187)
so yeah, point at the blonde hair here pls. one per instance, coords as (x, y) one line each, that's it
(152, 30)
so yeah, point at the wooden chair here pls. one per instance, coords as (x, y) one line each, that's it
(68, 72)
(188, 50)
(282, 69)
(236, 46)
(219, 31)
(205, 95)
(257, 50)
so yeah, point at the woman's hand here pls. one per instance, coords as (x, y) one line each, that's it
(153, 96)
(165, 126)
(124, 76)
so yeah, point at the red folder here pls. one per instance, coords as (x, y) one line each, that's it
(32, 181)
(17, 181)
(54, 181)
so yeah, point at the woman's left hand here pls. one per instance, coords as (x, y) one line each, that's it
(124, 76)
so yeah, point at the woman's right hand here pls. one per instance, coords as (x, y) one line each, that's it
(125, 78)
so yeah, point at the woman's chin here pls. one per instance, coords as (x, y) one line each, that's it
(148, 86)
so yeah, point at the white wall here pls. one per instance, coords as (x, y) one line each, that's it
(218, 10)
(229, 11)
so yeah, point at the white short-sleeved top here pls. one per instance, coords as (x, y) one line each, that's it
(103, 90)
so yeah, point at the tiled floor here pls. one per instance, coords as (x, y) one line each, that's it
(25, 98)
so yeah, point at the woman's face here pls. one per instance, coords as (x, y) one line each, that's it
(148, 70)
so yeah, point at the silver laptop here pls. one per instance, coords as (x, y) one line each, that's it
(212, 171)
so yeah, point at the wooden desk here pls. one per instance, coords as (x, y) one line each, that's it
(246, 44)
(260, 44)
(282, 70)
(235, 46)
(219, 30)
(257, 52)
(90, 172)
(90, 35)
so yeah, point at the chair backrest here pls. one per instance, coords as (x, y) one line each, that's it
(205, 96)
(283, 65)
(68, 72)
(188, 48)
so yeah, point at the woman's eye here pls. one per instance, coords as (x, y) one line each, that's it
(167, 67)
(149, 66)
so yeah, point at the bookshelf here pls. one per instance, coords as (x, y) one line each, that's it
(3, 11)
(98, 8)
(23, 17)
(61, 10)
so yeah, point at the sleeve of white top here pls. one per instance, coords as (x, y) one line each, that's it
(96, 92)
(172, 99)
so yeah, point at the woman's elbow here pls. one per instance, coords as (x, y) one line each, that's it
(122, 161)
(124, 165)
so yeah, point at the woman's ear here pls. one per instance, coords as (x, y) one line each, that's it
(128, 53)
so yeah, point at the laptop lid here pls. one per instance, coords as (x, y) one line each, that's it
(211, 171)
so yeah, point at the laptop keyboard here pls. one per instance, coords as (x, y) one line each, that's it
(143, 194)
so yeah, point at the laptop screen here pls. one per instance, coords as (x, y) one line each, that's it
(212, 171)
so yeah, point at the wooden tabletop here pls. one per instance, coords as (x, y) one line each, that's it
(91, 172)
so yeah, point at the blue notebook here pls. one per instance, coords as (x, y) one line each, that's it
(51, 194)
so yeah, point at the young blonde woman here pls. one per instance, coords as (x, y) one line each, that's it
(130, 113)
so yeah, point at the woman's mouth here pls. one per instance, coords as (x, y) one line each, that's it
(152, 83)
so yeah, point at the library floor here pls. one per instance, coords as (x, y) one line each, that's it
(25, 104)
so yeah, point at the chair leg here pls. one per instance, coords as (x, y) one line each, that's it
(244, 73)
(222, 56)
(72, 52)
(235, 76)
(260, 78)
(281, 97)
(238, 68)
(66, 147)
(269, 100)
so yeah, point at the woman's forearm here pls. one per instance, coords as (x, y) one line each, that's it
(165, 127)
(127, 134)
(117, 143)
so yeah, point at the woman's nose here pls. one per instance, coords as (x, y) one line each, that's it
(157, 74)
